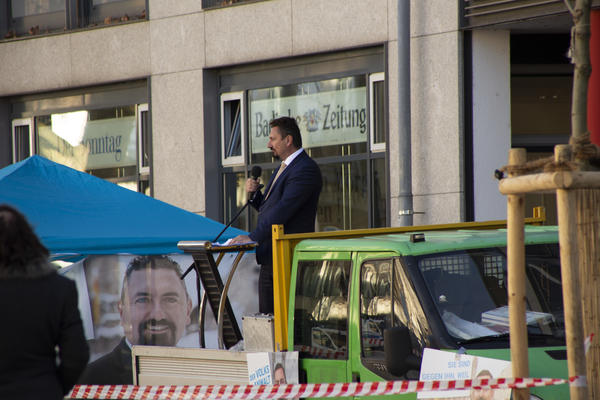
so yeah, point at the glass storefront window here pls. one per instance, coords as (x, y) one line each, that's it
(378, 193)
(334, 120)
(344, 197)
(331, 114)
(235, 197)
(100, 142)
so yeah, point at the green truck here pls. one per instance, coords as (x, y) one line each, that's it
(365, 308)
(363, 305)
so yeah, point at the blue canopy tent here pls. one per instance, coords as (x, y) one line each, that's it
(76, 213)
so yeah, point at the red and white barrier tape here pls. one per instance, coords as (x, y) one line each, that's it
(311, 390)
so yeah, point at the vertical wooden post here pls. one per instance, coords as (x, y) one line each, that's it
(516, 280)
(567, 237)
(588, 239)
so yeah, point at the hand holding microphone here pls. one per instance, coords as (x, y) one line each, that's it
(252, 184)
(252, 187)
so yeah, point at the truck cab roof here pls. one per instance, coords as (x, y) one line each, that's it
(419, 243)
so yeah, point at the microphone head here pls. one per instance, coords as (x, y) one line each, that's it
(256, 172)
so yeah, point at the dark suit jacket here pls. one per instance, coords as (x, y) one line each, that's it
(292, 202)
(113, 368)
(38, 314)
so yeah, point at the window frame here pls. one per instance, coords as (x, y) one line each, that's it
(239, 160)
(17, 122)
(142, 170)
(373, 78)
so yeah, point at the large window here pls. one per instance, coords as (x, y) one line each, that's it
(38, 17)
(342, 121)
(111, 142)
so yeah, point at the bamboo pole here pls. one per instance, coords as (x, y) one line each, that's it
(549, 182)
(516, 280)
(567, 237)
(588, 239)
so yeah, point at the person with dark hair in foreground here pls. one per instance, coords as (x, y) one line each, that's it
(155, 309)
(290, 198)
(42, 345)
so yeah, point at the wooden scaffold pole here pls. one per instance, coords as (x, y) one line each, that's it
(567, 238)
(516, 279)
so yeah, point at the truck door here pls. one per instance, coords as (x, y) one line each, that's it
(383, 297)
(319, 315)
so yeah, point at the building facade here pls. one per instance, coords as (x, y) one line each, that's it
(173, 98)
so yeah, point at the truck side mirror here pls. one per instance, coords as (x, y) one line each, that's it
(398, 351)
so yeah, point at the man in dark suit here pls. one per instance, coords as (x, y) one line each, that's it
(155, 309)
(290, 198)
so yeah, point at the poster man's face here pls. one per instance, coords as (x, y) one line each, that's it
(482, 394)
(156, 308)
(279, 377)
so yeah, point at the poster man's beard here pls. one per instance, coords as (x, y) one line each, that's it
(162, 338)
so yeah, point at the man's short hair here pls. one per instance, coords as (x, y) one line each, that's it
(288, 126)
(141, 263)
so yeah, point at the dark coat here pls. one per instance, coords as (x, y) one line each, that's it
(113, 368)
(39, 314)
(292, 202)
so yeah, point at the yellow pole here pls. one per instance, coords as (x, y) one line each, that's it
(282, 262)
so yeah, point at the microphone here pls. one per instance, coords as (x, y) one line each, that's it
(256, 172)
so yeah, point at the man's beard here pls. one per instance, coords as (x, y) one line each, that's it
(159, 338)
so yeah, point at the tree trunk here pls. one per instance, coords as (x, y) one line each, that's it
(580, 48)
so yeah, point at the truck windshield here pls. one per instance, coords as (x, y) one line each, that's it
(469, 289)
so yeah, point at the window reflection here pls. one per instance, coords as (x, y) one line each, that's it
(100, 142)
(321, 322)
(387, 300)
(344, 196)
(23, 8)
(331, 114)
(235, 198)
